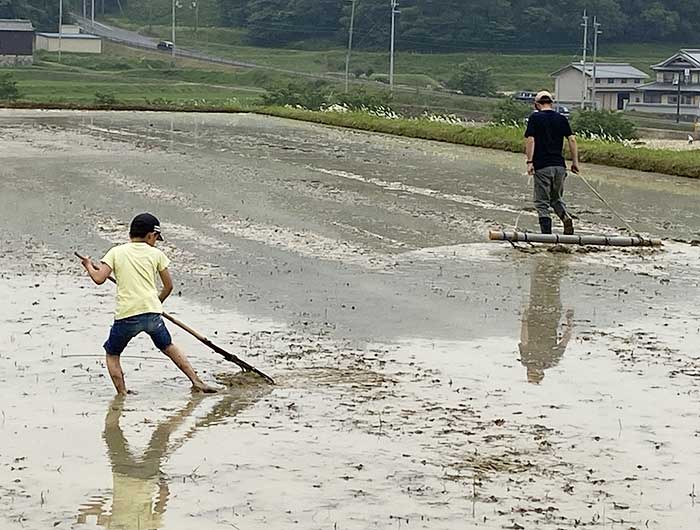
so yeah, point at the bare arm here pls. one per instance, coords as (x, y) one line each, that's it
(99, 272)
(530, 152)
(573, 149)
(167, 284)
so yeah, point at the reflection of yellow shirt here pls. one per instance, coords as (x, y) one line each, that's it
(135, 266)
(133, 504)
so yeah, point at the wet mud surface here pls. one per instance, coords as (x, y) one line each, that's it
(425, 378)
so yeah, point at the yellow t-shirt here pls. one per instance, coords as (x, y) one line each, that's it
(135, 266)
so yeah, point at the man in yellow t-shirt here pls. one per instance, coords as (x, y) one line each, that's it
(139, 304)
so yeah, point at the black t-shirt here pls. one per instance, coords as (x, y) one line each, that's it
(548, 128)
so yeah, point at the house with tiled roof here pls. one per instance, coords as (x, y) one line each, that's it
(675, 89)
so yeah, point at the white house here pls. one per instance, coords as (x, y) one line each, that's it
(662, 95)
(71, 41)
(614, 84)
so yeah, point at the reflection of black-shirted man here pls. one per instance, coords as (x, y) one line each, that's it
(541, 346)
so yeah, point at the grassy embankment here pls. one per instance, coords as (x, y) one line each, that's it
(512, 71)
(683, 163)
(133, 78)
(138, 78)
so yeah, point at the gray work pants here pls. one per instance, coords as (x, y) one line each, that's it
(549, 191)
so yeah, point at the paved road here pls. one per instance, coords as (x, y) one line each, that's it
(135, 39)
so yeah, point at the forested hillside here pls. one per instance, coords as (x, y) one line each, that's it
(43, 13)
(454, 25)
(423, 25)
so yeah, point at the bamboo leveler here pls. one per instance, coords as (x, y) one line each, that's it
(559, 239)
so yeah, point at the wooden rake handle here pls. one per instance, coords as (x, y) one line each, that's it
(204, 340)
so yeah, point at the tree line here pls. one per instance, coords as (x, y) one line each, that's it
(454, 25)
(423, 25)
(42, 13)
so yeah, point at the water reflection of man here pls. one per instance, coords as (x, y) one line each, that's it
(541, 346)
(140, 490)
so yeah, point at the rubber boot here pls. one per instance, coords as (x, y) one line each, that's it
(568, 226)
(546, 225)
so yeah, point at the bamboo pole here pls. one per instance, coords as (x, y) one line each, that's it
(204, 340)
(557, 239)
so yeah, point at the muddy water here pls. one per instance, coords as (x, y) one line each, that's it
(425, 378)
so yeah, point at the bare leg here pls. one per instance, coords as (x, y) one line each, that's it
(177, 356)
(114, 368)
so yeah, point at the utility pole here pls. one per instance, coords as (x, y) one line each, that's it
(60, 27)
(596, 32)
(583, 62)
(681, 77)
(84, 8)
(394, 11)
(347, 57)
(172, 39)
(92, 16)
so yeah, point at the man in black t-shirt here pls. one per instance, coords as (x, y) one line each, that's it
(546, 130)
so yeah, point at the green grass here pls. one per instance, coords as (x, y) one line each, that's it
(512, 71)
(134, 77)
(658, 122)
(507, 138)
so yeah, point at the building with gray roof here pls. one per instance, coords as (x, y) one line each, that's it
(16, 42)
(676, 88)
(614, 84)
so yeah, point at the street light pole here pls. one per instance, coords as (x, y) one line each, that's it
(92, 15)
(596, 32)
(583, 62)
(678, 98)
(394, 12)
(347, 57)
(60, 27)
(172, 51)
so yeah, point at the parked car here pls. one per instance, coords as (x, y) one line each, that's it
(525, 96)
(563, 110)
(165, 45)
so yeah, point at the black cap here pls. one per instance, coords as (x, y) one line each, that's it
(145, 223)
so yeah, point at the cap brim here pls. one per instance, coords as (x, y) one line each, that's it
(159, 237)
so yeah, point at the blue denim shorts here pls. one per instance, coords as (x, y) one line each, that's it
(125, 329)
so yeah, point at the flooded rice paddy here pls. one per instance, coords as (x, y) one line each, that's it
(425, 377)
